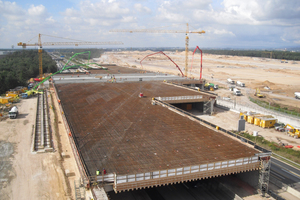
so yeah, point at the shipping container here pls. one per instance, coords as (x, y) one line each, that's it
(257, 119)
(250, 118)
(267, 122)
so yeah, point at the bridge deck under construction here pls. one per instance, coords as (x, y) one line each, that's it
(115, 129)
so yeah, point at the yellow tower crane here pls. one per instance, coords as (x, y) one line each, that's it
(40, 46)
(166, 31)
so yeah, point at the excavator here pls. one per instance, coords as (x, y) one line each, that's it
(258, 94)
(292, 131)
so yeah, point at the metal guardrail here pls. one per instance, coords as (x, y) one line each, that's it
(297, 164)
(193, 88)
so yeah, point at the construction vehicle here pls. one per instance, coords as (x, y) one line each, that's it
(239, 83)
(209, 86)
(258, 94)
(293, 132)
(40, 50)
(187, 32)
(13, 113)
(237, 92)
(279, 128)
(27, 94)
(297, 95)
(230, 81)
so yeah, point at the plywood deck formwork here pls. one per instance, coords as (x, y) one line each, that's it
(128, 136)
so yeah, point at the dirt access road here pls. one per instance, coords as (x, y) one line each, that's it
(26, 175)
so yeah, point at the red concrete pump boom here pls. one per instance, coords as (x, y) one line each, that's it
(200, 62)
(166, 56)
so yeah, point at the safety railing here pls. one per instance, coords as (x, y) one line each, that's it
(183, 170)
(179, 98)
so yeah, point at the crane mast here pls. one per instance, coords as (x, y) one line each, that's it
(167, 31)
(186, 49)
(40, 52)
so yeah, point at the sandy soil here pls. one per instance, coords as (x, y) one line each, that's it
(27, 175)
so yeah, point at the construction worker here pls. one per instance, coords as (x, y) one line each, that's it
(97, 172)
(104, 171)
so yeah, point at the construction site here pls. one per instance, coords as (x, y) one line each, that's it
(139, 124)
(142, 135)
(124, 129)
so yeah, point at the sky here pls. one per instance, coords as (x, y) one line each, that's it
(242, 24)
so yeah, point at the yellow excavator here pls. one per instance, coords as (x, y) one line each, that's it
(258, 94)
(293, 132)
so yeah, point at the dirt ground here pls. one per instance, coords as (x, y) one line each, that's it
(27, 175)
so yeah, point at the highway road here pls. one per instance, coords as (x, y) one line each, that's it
(285, 173)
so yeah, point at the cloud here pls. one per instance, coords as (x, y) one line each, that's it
(231, 21)
(291, 34)
(142, 9)
(221, 32)
(37, 11)
(97, 14)
(50, 19)
(11, 11)
(257, 12)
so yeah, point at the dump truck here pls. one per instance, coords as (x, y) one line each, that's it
(13, 113)
(297, 95)
(237, 92)
(239, 83)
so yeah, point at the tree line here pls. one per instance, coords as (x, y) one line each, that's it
(17, 68)
(286, 55)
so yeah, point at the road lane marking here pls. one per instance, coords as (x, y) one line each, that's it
(276, 174)
(291, 173)
(286, 170)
